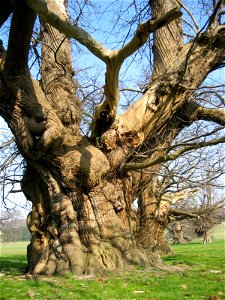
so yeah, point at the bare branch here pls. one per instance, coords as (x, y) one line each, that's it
(73, 31)
(197, 112)
(145, 29)
(168, 157)
(8, 161)
(190, 14)
(7, 143)
(179, 212)
(212, 19)
(19, 38)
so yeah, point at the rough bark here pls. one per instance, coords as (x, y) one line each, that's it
(178, 237)
(168, 40)
(80, 232)
(82, 219)
(153, 222)
(207, 237)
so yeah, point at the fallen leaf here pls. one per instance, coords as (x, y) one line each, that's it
(183, 286)
(31, 294)
(84, 277)
(139, 292)
(101, 279)
(215, 271)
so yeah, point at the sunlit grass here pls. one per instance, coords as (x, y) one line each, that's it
(202, 276)
(14, 248)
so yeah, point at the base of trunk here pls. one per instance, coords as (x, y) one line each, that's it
(82, 233)
(106, 256)
(207, 237)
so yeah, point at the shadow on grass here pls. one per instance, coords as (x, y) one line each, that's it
(15, 263)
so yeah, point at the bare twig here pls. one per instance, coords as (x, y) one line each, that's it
(168, 157)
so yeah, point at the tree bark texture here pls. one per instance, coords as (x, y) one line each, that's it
(207, 237)
(82, 219)
(81, 232)
(178, 237)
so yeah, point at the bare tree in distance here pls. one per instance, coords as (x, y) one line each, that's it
(82, 187)
(12, 167)
(177, 186)
(209, 207)
(203, 207)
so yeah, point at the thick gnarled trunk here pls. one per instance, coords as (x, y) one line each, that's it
(78, 232)
(153, 221)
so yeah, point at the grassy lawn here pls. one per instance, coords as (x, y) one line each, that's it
(202, 276)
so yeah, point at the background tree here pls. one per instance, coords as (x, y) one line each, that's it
(12, 227)
(82, 187)
(193, 176)
(209, 213)
(179, 186)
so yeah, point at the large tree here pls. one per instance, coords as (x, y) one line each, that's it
(82, 187)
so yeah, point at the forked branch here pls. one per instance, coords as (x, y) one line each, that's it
(106, 112)
(111, 89)
(72, 31)
(144, 31)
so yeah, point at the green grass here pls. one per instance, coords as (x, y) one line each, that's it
(13, 257)
(202, 276)
(18, 248)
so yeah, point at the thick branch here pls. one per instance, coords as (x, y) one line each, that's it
(57, 71)
(69, 30)
(167, 40)
(106, 112)
(145, 29)
(168, 157)
(19, 39)
(195, 112)
(166, 96)
(6, 10)
(179, 212)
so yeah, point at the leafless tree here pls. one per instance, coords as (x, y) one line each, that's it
(201, 207)
(82, 188)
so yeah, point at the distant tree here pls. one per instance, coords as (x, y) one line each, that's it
(208, 215)
(25, 234)
(181, 187)
(202, 218)
(12, 227)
